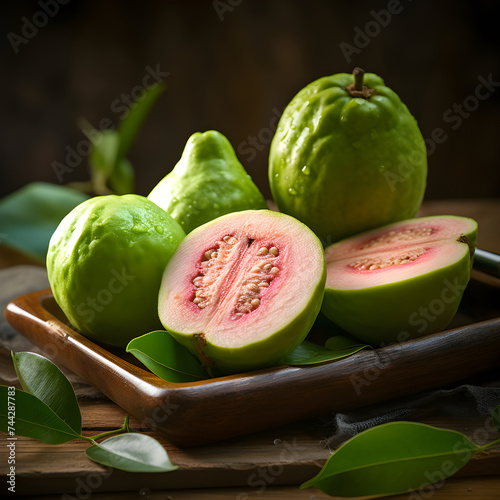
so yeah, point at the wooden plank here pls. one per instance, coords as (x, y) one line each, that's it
(284, 456)
(453, 489)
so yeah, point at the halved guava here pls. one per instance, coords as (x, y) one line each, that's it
(399, 281)
(243, 290)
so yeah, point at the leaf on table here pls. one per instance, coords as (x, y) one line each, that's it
(166, 358)
(132, 452)
(30, 215)
(496, 417)
(393, 458)
(43, 379)
(309, 353)
(32, 418)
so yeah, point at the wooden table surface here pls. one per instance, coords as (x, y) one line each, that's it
(269, 464)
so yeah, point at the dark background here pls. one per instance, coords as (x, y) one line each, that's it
(233, 65)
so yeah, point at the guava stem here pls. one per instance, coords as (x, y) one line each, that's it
(358, 88)
(358, 78)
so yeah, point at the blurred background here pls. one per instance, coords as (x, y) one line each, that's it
(233, 65)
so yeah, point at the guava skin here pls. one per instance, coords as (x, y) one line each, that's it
(207, 182)
(344, 164)
(399, 311)
(105, 262)
(291, 323)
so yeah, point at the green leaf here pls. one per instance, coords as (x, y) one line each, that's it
(166, 358)
(121, 180)
(393, 458)
(132, 453)
(496, 417)
(309, 354)
(137, 113)
(32, 418)
(43, 379)
(342, 342)
(30, 215)
(104, 153)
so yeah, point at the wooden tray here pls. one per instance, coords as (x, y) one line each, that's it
(215, 409)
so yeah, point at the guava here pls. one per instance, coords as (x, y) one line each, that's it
(207, 182)
(105, 263)
(399, 281)
(347, 156)
(243, 290)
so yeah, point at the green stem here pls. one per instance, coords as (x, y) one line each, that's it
(489, 445)
(358, 78)
(124, 428)
(125, 424)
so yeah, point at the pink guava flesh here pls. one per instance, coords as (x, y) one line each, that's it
(241, 278)
(387, 267)
(401, 234)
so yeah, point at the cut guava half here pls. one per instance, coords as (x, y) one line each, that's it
(399, 281)
(243, 290)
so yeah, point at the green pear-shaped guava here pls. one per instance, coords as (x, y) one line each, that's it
(207, 182)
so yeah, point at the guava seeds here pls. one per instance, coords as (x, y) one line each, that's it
(401, 235)
(257, 278)
(371, 264)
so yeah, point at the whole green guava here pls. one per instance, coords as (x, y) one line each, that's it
(347, 156)
(105, 263)
(207, 182)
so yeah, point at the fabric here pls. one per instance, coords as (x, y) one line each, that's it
(463, 401)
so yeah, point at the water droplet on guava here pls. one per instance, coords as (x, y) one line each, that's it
(140, 229)
(305, 170)
(292, 191)
(159, 229)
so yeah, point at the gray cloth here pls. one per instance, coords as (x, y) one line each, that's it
(14, 282)
(463, 401)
